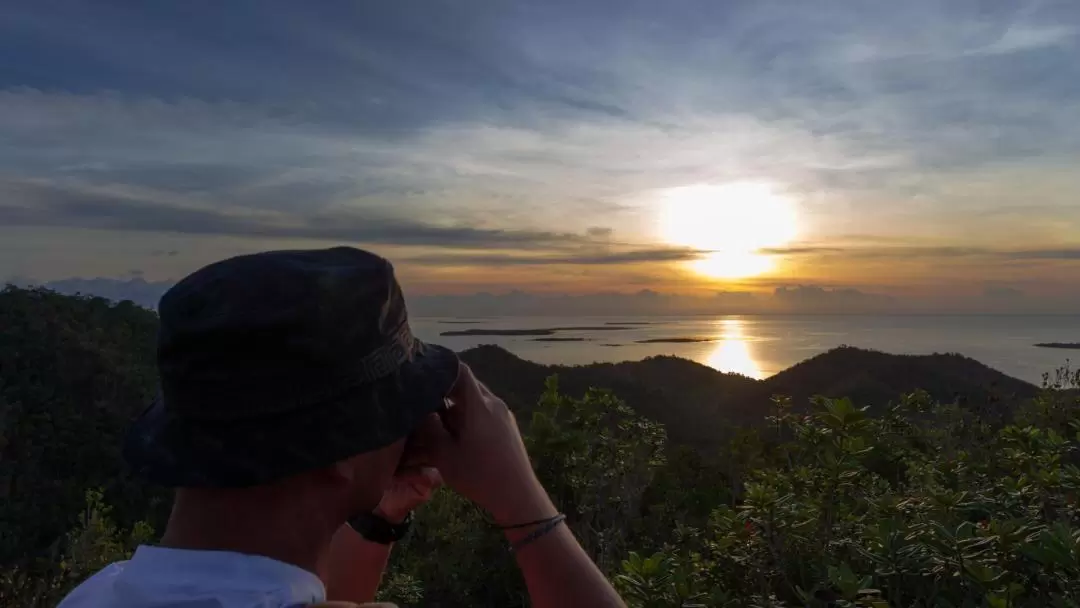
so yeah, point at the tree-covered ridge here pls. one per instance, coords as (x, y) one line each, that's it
(922, 502)
(703, 408)
(74, 371)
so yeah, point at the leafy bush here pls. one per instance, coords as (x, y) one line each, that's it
(93, 544)
(917, 505)
(923, 506)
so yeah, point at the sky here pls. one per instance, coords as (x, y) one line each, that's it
(921, 153)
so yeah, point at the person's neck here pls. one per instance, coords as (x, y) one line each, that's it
(292, 532)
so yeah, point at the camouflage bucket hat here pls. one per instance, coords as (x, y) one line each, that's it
(281, 362)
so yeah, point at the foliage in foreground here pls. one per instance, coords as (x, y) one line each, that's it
(922, 504)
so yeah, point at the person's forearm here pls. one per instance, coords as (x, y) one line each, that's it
(558, 572)
(355, 567)
(556, 569)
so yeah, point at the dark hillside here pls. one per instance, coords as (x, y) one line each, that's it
(681, 394)
(697, 403)
(74, 371)
(875, 378)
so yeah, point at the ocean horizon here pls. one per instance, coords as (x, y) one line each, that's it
(760, 346)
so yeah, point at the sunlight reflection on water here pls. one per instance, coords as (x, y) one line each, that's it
(732, 352)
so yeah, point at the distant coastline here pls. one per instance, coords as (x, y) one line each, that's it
(761, 346)
(555, 339)
(548, 331)
(1064, 345)
(675, 340)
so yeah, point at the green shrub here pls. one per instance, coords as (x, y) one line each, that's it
(922, 504)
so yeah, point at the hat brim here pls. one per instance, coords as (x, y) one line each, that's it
(177, 452)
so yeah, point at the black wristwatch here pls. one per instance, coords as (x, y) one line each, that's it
(378, 530)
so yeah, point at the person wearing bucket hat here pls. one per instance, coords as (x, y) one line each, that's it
(300, 422)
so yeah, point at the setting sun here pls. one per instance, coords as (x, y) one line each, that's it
(732, 222)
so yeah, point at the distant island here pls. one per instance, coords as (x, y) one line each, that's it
(1068, 345)
(674, 340)
(499, 332)
(556, 339)
(549, 331)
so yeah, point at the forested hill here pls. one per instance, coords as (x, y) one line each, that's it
(74, 371)
(698, 404)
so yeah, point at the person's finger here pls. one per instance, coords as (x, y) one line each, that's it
(466, 389)
(433, 436)
(431, 477)
(464, 397)
(417, 453)
(423, 481)
(486, 391)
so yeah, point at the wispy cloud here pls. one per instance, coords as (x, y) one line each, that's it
(100, 209)
(1019, 38)
(901, 252)
(520, 125)
(593, 258)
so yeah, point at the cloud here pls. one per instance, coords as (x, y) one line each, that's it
(1029, 38)
(785, 299)
(519, 124)
(943, 252)
(1002, 292)
(571, 259)
(800, 250)
(1072, 253)
(649, 302)
(813, 298)
(51, 206)
(642, 302)
(535, 103)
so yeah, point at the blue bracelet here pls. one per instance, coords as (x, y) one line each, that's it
(538, 533)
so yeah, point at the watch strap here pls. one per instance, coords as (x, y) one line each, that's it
(377, 530)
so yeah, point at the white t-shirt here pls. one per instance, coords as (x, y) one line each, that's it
(158, 577)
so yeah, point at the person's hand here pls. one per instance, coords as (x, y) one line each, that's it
(409, 489)
(476, 445)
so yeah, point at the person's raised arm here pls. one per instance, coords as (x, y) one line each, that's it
(355, 565)
(478, 449)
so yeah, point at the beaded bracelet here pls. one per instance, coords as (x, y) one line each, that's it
(538, 533)
(527, 524)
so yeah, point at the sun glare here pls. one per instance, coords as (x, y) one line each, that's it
(732, 353)
(732, 222)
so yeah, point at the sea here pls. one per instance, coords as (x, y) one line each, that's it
(760, 346)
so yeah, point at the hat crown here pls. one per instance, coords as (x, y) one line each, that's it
(260, 334)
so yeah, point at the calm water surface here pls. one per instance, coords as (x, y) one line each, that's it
(760, 346)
